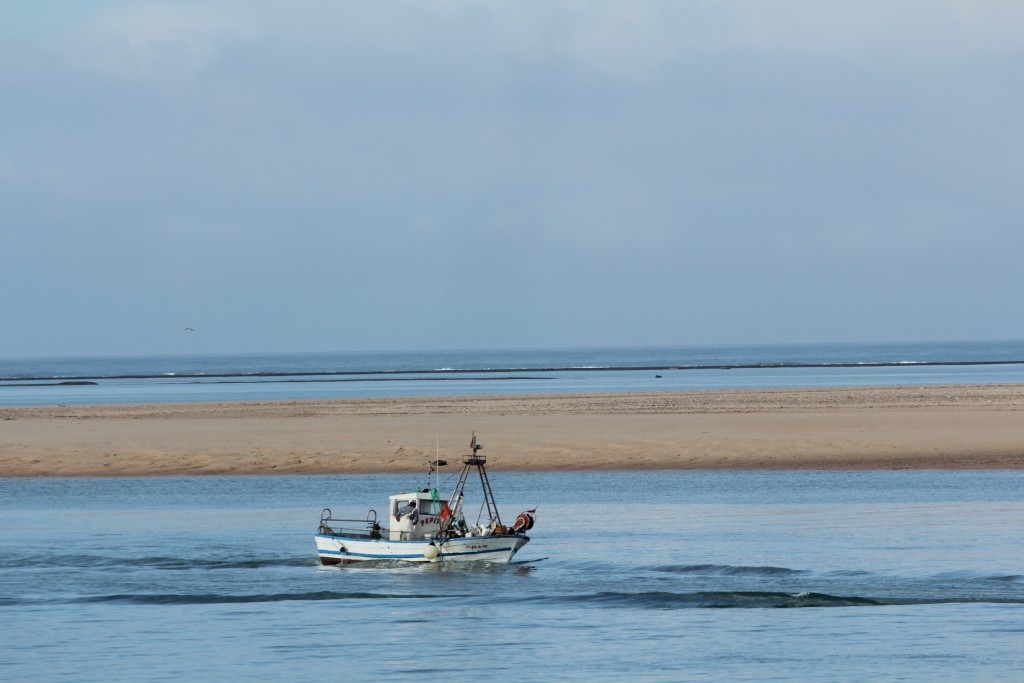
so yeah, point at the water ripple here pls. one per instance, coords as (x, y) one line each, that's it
(727, 570)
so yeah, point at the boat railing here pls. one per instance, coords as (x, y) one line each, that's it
(368, 527)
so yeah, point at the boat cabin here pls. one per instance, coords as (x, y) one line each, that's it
(417, 515)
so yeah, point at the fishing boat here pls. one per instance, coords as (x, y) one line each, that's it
(426, 526)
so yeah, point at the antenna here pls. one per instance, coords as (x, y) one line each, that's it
(435, 464)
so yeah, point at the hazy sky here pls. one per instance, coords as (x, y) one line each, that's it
(303, 176)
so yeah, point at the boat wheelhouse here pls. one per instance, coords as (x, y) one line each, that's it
(426, 526)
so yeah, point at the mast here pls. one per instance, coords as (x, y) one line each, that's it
(478, 461)
(485, 484)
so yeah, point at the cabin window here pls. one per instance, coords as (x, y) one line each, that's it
(431, 507)
(426, 508)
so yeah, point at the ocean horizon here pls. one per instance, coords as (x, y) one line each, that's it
(375, 374)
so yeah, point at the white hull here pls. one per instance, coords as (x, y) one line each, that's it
(344, 549)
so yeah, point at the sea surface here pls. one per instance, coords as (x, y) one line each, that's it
(158, 379)
(630, 576)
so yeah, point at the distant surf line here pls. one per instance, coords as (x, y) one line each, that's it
(464, 371)
(217, 379)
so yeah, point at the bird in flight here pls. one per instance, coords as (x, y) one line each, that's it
(189, 329)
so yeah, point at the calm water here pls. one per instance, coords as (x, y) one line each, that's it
(154, 379)
(654, 576)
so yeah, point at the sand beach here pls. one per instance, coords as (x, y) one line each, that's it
(923, 427)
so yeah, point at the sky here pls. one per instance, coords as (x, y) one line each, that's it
(329, 176)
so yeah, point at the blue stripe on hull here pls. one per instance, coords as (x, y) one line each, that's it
(386, 540)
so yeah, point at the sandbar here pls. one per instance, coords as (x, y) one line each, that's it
(854, 428)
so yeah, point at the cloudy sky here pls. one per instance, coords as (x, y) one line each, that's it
(304, 176)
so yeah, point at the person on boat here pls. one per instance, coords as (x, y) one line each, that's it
(408, 510)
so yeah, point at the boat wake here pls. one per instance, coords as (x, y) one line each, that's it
(727, 570)
(646, 600)
(161, 562)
